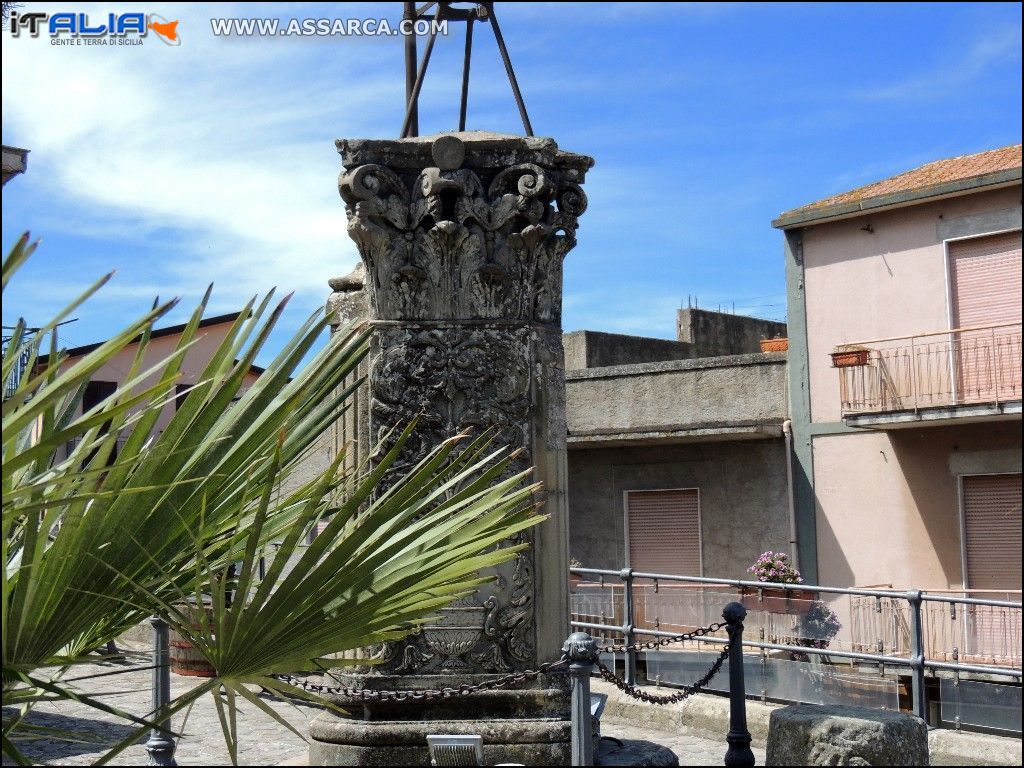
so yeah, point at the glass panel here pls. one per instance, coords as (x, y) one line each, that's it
(989, 705)
(779, 679)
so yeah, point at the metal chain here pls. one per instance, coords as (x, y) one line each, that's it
(367, 694)
(685, 693)
(650, 645)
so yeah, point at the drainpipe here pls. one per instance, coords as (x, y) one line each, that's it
(794, 549)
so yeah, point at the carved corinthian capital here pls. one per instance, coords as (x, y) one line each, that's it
(463, 226)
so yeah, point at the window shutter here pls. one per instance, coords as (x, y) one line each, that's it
(985, 277)
(664, 531)
(985, 289)
(992, 531)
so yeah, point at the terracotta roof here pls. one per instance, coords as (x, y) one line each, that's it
(938, 177)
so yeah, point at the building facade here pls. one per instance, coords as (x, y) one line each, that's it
(677, 458)
(905, 378)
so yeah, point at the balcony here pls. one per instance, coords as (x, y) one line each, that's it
(964, 374)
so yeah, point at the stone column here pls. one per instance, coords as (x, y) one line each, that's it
(462, 236)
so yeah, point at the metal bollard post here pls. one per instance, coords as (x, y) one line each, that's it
(739, 752)
(629, 621)
(917, 655)
(581, 650)
(160, 745)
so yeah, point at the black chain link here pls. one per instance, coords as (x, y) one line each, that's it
(685, 693)
(650, 645)
(465, 689)
(368, 694)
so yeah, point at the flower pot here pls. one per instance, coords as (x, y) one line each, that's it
(185, 658)
(774, 345)
(850, 357)
(775, 600)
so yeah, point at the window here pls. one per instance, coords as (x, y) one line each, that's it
(663, 531)
(991, 531)
(991, 552)
(985, 289)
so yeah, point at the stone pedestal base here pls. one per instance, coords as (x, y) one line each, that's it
(525, 725)
(529, 741)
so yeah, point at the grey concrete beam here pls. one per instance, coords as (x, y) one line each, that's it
(942, 416)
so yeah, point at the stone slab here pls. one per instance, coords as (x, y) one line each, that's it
(807, 734)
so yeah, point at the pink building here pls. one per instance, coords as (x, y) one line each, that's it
(905, 378)
(163, 341)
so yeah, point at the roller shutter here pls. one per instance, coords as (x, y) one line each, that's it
(664, 531)
(985, 290)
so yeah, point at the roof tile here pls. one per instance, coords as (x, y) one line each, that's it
(931, 174)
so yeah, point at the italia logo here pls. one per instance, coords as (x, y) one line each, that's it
(125, 28)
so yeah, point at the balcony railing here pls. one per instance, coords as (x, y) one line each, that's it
(963, 366)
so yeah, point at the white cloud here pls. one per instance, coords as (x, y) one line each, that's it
(999, 46)
(215, 157)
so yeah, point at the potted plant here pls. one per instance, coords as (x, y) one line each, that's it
(774, 345)
(574, 578)
(850, 355)
(774, 568)
(816, 628)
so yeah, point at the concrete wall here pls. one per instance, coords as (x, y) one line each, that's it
(890, 282)
(888, 507)
(594, 349)
(658, 400)
(719, 333)
(743, 499)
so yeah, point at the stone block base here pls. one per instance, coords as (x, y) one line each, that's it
(340, 741)
(832, 735)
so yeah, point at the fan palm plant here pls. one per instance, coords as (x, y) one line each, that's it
(130, 523)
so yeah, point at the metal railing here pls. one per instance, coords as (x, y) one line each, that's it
(974, 634)
(962, 366)
(912, 655)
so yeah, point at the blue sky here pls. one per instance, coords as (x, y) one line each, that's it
(215, 160)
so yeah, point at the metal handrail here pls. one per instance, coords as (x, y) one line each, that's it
(844, 347)
(916, 659)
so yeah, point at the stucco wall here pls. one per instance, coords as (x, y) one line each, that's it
(668, 396)
(888, 509)
(888, 282)
(595, 349)
(743, 499)
(206, 342)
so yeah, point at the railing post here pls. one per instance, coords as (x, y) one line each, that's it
(629, 619)
(995, 364)
(739, 752)
(581, 651)
(913, 372)
(920, 703)
(160, 745)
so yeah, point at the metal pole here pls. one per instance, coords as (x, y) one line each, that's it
(739, 752)
(464, 104)
(917, 654)
(628, 622)
(581, 651)
(414, 97)
(160, 745)
(527, 126)
(410, 71)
